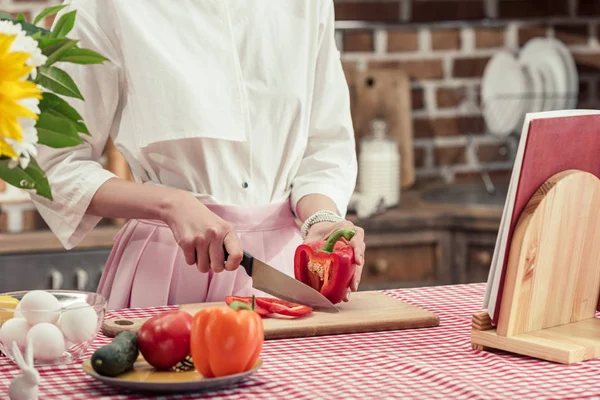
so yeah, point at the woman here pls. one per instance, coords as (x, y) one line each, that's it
(234, 119)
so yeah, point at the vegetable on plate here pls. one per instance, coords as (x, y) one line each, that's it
(226, 340)
(164, 339)
(327, 266)
(116, 357)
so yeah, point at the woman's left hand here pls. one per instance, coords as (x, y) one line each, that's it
(322, 231)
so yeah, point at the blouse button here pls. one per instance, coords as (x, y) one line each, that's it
(245, 185)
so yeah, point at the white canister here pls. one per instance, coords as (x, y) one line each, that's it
(379, 166)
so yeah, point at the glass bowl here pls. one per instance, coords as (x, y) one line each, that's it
(60, 331)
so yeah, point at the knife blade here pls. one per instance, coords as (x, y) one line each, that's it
(274, 282)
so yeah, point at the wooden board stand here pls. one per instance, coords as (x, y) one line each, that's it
(552, 282)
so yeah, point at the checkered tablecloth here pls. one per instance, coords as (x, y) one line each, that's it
(424, 364)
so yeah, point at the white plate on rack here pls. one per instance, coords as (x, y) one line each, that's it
(550, 90)
(572, 76)
(535, 96)
(503, 92)
(543, 53)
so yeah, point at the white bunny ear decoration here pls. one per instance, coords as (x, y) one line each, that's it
(18, 357)
(25, 386)
(29, 353)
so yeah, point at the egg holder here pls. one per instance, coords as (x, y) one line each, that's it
(78, 321)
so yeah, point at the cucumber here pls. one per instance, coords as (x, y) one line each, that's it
(116, 357)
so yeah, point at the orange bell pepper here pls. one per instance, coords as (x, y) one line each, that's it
(226, 340)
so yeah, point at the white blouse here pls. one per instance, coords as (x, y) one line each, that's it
(239, 102)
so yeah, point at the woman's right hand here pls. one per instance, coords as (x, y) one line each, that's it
(201, 234)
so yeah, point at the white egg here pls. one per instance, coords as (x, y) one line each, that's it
(18, 313)
(47, 340)
(79, 322)
(40, 306)
(14, 330)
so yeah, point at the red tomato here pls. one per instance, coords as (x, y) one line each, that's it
(164, 339)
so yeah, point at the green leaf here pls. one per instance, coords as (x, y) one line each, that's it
(6, 16)
(58, 81)
(57, 106)
(57, 132)
(47, 12)
(82, 128)
(37, 173)
(31, 29)
(55, 51)
(64, 25)
(45, 42)
(52, 102)
(21, 17)
(32, 177)
(77, 55)
(79, 126)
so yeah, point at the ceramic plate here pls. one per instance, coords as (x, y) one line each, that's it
(542, 51)
(572, 76)
(503, 93)
(550, 91)
(535, 97)
(146, 379)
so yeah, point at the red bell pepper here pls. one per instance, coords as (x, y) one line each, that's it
(282, 307)
(327, 266)
(247, 300)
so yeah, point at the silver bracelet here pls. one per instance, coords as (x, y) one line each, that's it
(319, 216)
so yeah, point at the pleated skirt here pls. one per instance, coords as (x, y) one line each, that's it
(146, 267)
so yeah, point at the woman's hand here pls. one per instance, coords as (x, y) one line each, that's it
(198, 231)
(323, 230)
(201, 234)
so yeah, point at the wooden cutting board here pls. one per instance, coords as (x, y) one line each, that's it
(365, 312)
(385, 93)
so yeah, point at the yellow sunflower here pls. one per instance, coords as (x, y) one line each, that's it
(13, 88)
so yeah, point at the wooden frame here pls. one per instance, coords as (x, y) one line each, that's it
(552, 281)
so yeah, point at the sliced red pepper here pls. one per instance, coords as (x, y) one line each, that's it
(247, 300)
(327, 266)
(282, 307)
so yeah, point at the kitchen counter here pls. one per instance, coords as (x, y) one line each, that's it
(412, 214)
(44, 241)
(433, 363)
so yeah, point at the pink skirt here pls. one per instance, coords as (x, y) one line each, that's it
(147, 268)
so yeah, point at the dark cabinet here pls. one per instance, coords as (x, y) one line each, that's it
(408, 259)
(473, 252)
(72, 270)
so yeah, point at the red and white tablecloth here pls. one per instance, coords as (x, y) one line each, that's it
(425, 364)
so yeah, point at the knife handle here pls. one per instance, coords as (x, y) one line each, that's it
(247, 261)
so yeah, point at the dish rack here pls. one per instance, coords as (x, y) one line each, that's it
(474, 125)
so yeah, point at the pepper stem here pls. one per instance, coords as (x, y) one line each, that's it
(237, 305)
(346, 233)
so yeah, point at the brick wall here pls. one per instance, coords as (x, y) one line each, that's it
(446, 60)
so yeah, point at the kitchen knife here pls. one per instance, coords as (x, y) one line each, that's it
(274, 282)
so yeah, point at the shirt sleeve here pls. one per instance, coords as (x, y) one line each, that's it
(329, 165)
(75, 173)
